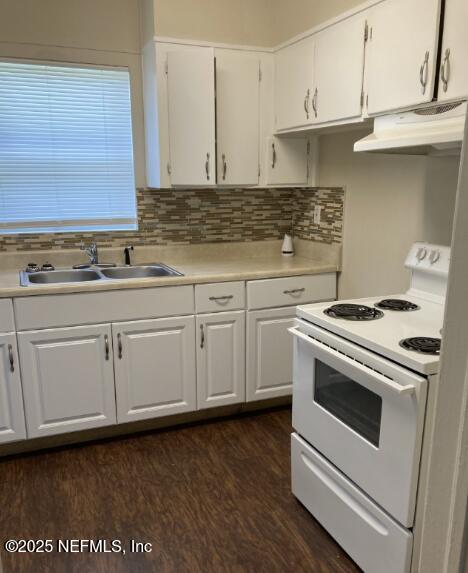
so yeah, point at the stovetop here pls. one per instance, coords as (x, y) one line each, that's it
(384, 333)
(357, 312)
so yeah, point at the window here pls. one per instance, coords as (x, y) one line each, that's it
(66, 152)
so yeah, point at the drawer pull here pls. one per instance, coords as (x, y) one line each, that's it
(294, 291)
(119, 345)
(11, 358)
(202, 336)
(225, 297)
(106, 345)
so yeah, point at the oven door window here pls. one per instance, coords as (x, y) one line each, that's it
(353, 404)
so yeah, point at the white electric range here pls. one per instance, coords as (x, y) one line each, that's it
(362, 371)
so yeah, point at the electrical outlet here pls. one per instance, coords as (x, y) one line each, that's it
(317, 214)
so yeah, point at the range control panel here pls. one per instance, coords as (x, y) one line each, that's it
(425, 257)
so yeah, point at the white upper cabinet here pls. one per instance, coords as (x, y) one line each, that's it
(191, 108)
(12, 426)
(237, 115)
(287, 161)
(339, 68)
(453, 79)
(294, 84)
(403, 42)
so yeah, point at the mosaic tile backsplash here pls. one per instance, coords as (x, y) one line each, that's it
(168, 216)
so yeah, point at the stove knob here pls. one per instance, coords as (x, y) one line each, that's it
(434, 256)
(421, 254)
(32, 268)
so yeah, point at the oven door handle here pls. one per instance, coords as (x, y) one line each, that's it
(387, 382)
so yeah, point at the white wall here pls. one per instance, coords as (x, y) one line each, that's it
(249, 22)
(391, 201)
(291, 17)
(89, 24)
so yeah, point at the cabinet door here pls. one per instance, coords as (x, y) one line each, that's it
(237, 117)
(269, 353)
(453, 81)
(287, 161)
(191, 103)
(339, 65)
(294, 81)
(220, 359)
(154, 368)
(12, 426)
(68, 379)
(402, 54)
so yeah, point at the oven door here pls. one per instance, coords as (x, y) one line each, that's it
(362, 412)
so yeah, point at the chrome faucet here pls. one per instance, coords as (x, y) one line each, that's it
(92, 252)
(127, 250)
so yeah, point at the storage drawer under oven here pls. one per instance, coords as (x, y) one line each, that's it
(363, 413)
(372, 538)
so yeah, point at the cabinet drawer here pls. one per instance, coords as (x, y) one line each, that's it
(369, 535)
(291, 290)
(48, 311)
(220, 296)
(7, 322)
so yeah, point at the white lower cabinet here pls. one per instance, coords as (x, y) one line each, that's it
(68, 379)
(220, 359)
(154, 367)
(12, 426)
(83, 377)
(269, 353)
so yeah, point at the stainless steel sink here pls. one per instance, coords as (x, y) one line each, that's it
(54, 277)
(79, 275)
(157, 270)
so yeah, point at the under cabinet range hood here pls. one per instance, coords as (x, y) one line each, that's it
(434, 130)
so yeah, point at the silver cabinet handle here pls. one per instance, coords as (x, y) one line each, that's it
(225, 297)
(106, 346)
(273, 155)
(202, 334)
(445, 70)
(207, 166)
(423, 73)
(306, 103)
(11, 358)
(119, 345)
(224, 167)
(315, 102)
(294, 291)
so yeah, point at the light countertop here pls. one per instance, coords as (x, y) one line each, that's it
(198, 263)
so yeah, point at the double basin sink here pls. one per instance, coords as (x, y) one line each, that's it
(96, 274)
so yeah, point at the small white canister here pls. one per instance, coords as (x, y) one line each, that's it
(287, 250)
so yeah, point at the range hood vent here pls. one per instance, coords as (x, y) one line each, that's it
(433, 130)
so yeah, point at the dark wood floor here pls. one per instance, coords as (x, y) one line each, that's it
(213, 497)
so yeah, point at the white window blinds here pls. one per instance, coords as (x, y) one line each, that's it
(66, 153)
